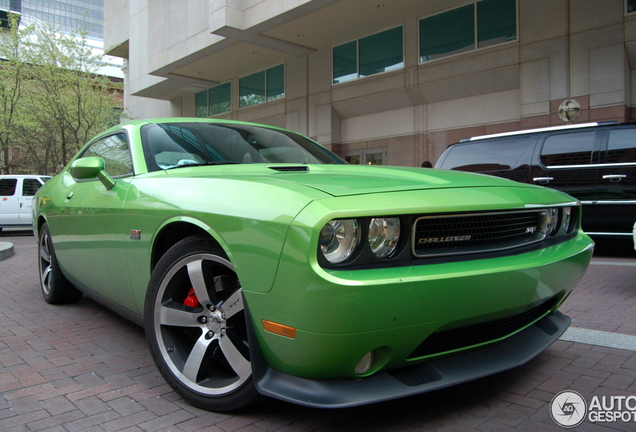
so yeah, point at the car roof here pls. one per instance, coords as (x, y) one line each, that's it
(539, 130)
(23, 176)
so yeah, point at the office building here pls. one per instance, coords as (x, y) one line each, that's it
(378, 81)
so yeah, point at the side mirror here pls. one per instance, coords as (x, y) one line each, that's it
(89, 168)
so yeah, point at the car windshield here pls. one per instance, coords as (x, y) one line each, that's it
(172, 145)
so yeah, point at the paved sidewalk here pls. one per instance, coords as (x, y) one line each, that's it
(82, 368)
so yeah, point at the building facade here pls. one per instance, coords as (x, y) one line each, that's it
(391, 82)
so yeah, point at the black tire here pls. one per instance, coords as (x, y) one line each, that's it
(200, 348)
(56, 289)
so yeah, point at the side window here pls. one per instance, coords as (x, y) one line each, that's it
(568, 149)
(115, 152)
(621, 146)
(7, 186)
(487, 155)
(30, 186)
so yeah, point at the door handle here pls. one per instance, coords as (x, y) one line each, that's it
(614, 177)
(543, 180)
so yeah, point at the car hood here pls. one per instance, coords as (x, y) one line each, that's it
(343, 180)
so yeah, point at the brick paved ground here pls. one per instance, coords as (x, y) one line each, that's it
(83, 368)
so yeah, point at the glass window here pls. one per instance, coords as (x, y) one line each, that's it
(621, 146)
(262, 86)
(7, 186)
(447, 33)
(345, 62)
(173, 145)
(220, 99)
(631, 6)
(496, 22)
(114, 150)
(381, 52)
(30, 187)
(252, 89)
(375, 158)
(201, 104)
(568, 149)
(275, 82)
(491, 155)
(467, 28)
(353, 159)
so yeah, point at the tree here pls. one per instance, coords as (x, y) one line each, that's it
(11, 76)
(62, 102)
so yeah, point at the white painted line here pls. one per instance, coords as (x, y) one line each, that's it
(614, 263)
(600, 338)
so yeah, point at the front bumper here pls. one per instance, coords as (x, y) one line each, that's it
(436, 374)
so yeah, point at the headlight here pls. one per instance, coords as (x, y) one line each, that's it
(567, 219)
(338, 239)
(384, 235)
(552, 221)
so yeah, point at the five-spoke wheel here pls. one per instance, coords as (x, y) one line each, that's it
(56, 288)
(195, 322)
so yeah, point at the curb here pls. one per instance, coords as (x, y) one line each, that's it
(6, 250)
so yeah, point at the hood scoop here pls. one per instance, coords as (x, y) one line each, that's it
(298, 168)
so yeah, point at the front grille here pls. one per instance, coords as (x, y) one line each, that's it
(463, 337)
(478, 232)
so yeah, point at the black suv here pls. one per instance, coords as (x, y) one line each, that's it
(593, 162)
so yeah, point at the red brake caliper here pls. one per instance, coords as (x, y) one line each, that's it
(191, 300)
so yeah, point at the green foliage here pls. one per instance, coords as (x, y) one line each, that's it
(52, 101)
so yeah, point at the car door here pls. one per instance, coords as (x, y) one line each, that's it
(9, 203)
(568, 161)
(93, 245)
(616, 203)
(29, 188)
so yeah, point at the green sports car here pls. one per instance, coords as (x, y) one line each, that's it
(259, 263)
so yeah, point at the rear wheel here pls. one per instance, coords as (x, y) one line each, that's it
(196, 327)
(56, 289)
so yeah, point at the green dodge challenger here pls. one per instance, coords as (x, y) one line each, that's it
(259, 263)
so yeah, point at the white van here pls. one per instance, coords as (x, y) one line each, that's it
(16, 199)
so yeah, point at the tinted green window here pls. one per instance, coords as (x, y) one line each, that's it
(262, 86)
(220, 97)
(275, 82)
(496, 21)
(252, 89)
(448, 33)
(345, 62)
(201, 104)
(381, 52)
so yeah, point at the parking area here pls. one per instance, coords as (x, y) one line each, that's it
(81, 367)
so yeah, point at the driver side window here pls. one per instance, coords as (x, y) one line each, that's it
(115, 151)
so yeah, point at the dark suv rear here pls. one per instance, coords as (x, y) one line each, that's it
(594, 162)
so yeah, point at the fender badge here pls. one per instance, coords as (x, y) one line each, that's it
(135, 234)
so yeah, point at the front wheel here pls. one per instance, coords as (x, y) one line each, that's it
(56, 289)
(196, 327)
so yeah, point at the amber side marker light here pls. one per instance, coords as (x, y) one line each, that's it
(279, 329)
